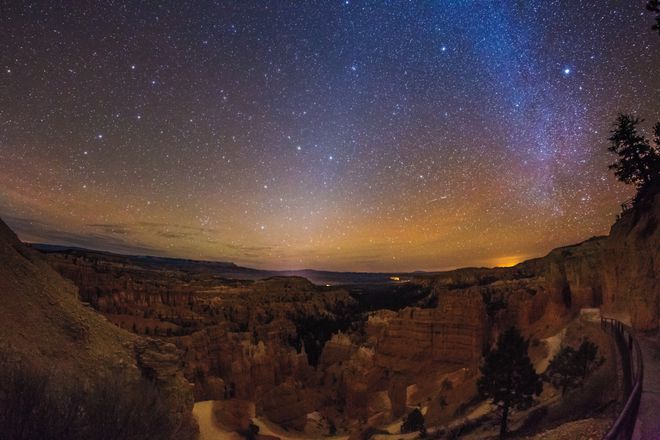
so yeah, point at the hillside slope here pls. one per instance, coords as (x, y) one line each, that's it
(45, 327)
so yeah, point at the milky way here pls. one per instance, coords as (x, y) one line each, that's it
(344, 135)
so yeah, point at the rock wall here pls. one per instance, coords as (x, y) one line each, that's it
(632, 265)
(247, 367)
(618, 273)
(452, 333)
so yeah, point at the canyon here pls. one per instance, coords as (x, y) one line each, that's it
(328, 359)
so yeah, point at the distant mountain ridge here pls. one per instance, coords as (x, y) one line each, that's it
(228, 269)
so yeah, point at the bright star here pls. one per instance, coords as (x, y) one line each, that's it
(567, 70)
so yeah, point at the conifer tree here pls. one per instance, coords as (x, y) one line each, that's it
(508, 376)
(638, 162)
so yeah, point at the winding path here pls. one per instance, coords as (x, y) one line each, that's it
(207, 429)
(648, 417)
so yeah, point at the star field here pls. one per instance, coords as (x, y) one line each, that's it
(345, 135)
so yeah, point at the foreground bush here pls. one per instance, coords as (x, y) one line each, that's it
(570, 368)
(33, 406)
(413, 422)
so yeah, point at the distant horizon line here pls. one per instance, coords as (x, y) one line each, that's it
(128, 254)
(308, 269)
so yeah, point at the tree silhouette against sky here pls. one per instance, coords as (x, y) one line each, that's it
(638, 161)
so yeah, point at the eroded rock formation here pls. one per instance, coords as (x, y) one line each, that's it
(313, 356)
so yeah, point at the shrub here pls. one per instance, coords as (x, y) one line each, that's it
(413, 422)
(33, 406)
(570, 367)
(251, 433)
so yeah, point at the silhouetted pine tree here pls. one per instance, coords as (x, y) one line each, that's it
(508, 376)
(638, 161)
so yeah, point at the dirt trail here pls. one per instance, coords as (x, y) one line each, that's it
(208, 430)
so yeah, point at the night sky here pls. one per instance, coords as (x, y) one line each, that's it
(344, 135)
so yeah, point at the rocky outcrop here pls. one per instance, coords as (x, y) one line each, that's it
(161, 362)
(289, 403)
(111, 285)
(247, 367)
(632, 264)
(234, 415)
(617, 273)
(452, 333)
